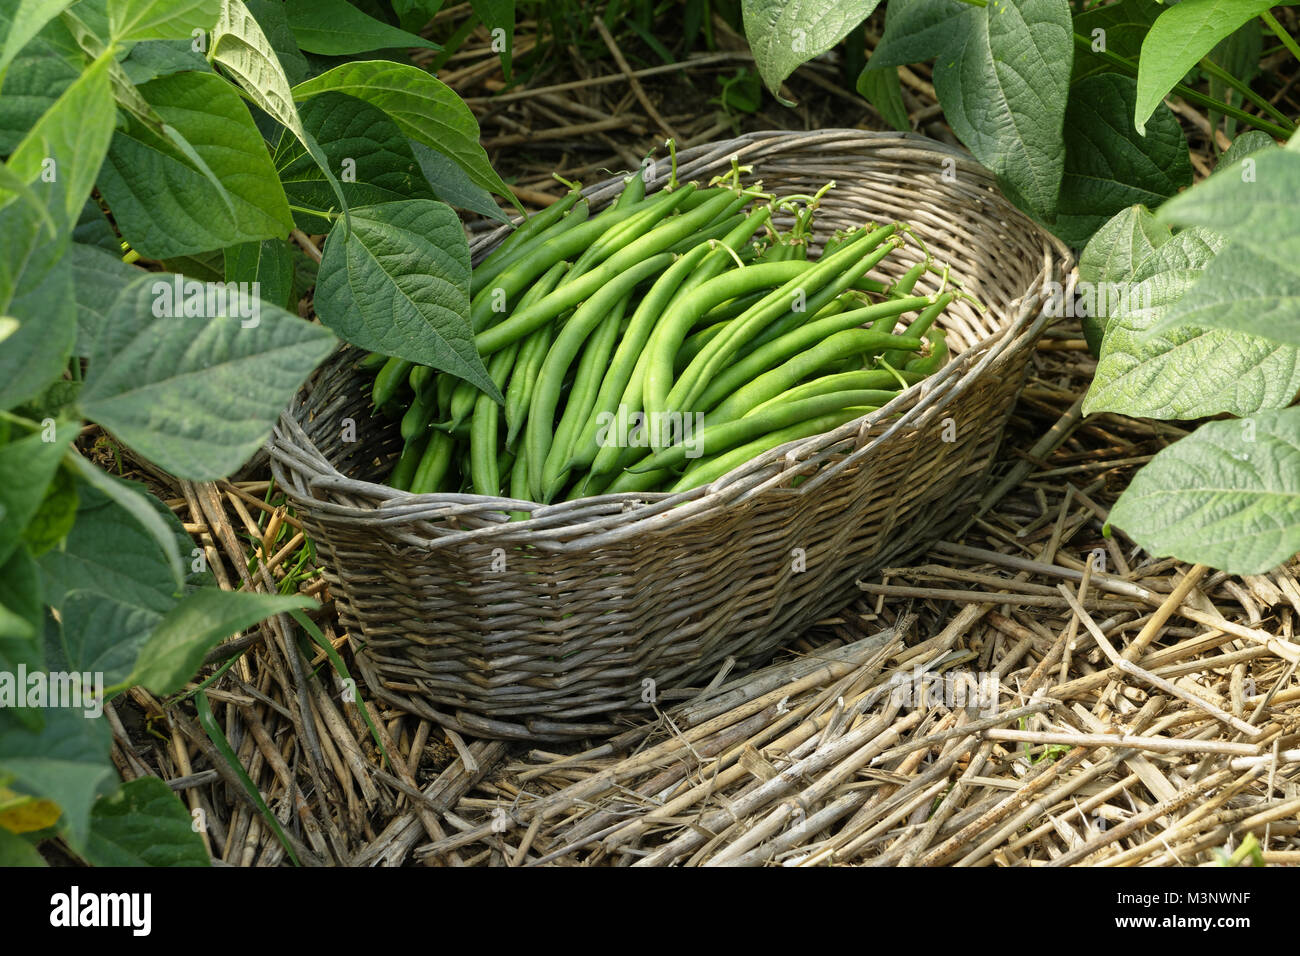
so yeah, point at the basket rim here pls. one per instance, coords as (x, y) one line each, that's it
(604, 519)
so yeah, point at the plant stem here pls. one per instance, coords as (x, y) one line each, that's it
(322, 213)
(1222, 75)
(1281, 33)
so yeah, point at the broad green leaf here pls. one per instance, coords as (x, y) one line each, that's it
(98, 277)
(499, 18)
(451, 184)
(367, 150)
(1247, 144)
(143, 824)
(66, 761)
(425, 108)
(163, 204)
(241, 49)
(21, 635)
(1108, 167)
(154, 58)
(27, 467)
(398, 283)
(192, 379)
(882, 89)
(160, 19)
(202, 619)
(1003, 84)
(88, 39)
(1118, 249)
(920, 30)
(93, 229)
(268, 264)
(337, 28)
(786, 33)
(55, 516)
(1180, 37)
(1243, 293)
(98, 634)
(15, 851)
(67, 145)
(1116, 28)
(1228, 495)
(274, 24)
(20, 21)
(1255, 208)
(38, 351)
(111, 553)
(1239, 54)
(33, 83)
(1184, 372)
(137, 508)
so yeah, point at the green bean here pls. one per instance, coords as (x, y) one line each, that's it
(569, 294)
(493, 301)
(434, 464)
(417, 417)
(717, 230)
(546, 392)
(513, 246)
(709, 469)
(404, 470)
(633, 189)
(825, 280)
(645, 216)
(389, 380)
(582, 397)
(801, 366)
(532, 352)
(419, 378)
(372, 361)
(465, 395)
(938, 357)
(647, 314)
(484, 476)
(679, 318)
(792, 343)
(858, 379)
(715, 439)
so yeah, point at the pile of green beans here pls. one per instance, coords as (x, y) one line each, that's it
(660, 343)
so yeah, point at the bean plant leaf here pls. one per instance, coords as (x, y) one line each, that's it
(371, 155)
(98, 276)
(241, 48)
(398, 283)
(1254, 285)
(193, 375)
(453, 186)
(920, 30)
(1184, 372)
(27, 467)
(267, 268)
(1108, 167)
(98, 634)
(163, 204)
(130, 20)
(337, 28)
(32, 84)
(143, 823)
(1003, 84)
(38, 350)
(22, 616)
(65, 760)
(1114, 255)
(883, 90)
(499, 18)
(15, 851)
(20, 22)
(786, 33)
(1180, 37)
(198, 623)
(1228, 495)
(1247, 144)
(1114, 28)
(425, 108)
(154, 58)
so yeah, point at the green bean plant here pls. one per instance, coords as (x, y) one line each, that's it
(1189, 296)
(166, 163)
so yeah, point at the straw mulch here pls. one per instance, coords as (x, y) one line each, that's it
(1030, 693)
(1034, 693)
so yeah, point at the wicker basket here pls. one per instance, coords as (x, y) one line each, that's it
(565, 624)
